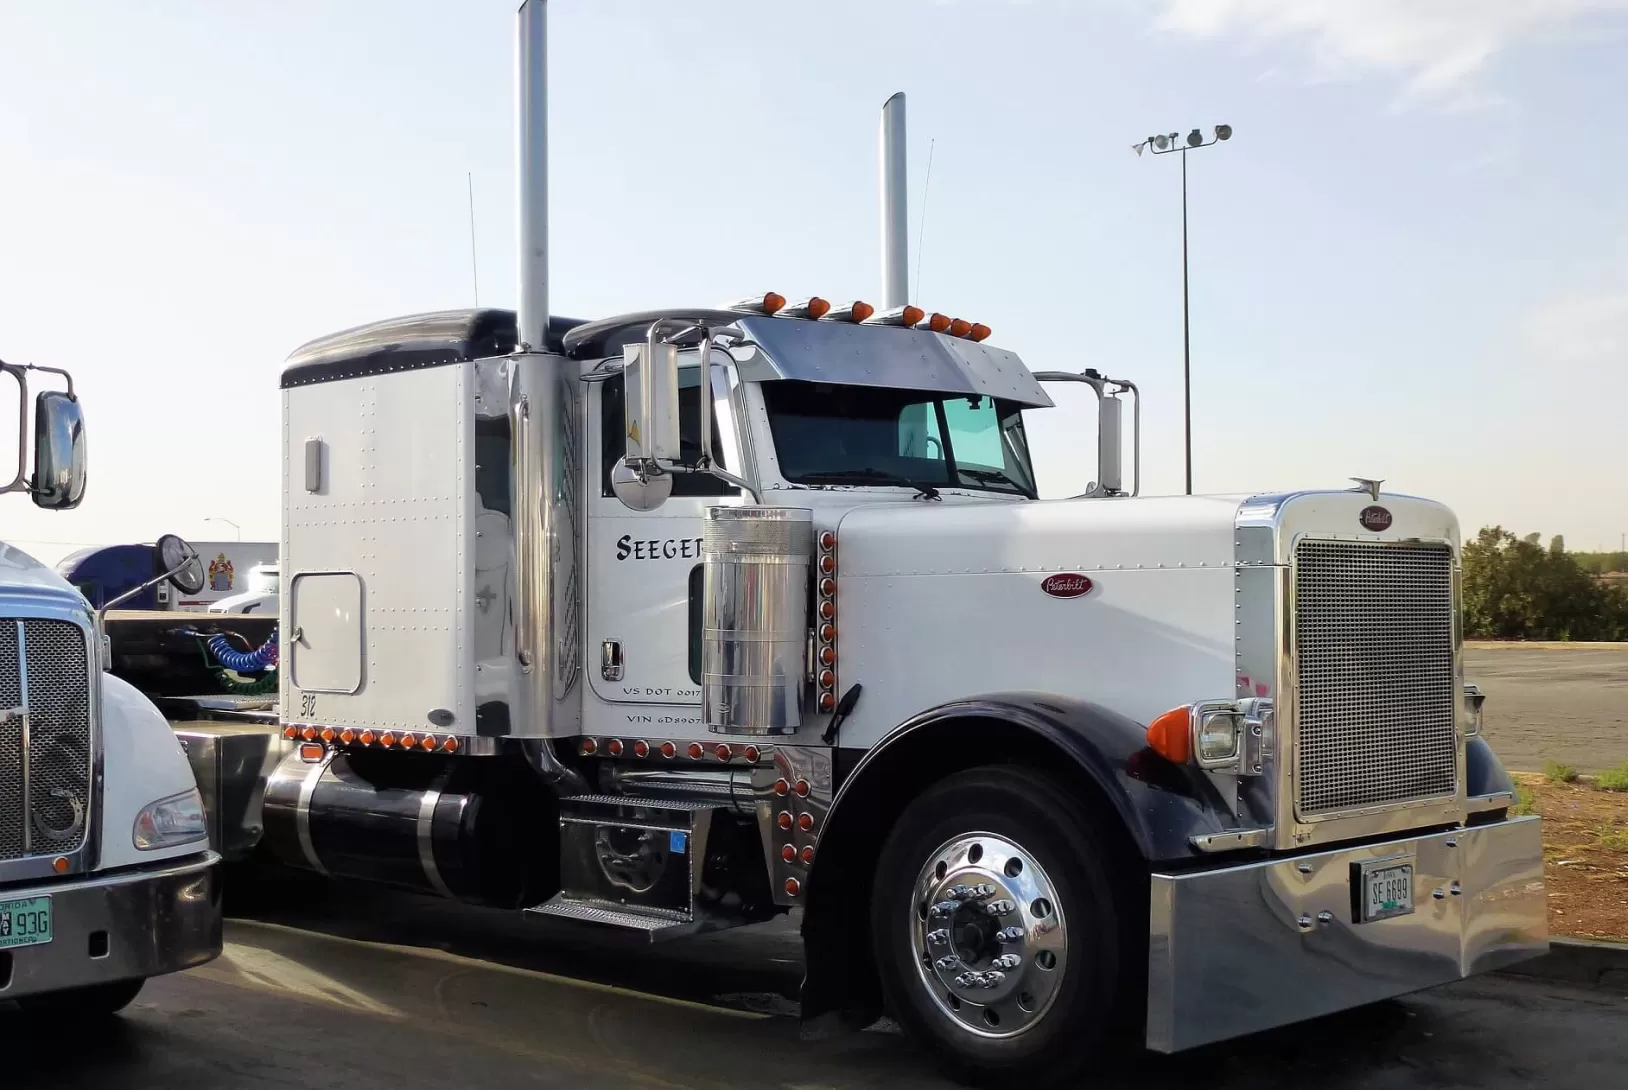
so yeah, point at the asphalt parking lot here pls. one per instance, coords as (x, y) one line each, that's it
(356, 989)
(1554, 702)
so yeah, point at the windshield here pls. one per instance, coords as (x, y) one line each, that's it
(829, 434)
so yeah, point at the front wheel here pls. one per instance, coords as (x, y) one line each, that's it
(92, 1001)
(997, 930)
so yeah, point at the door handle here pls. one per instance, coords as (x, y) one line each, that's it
(610, 660)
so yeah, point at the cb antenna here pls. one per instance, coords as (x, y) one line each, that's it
(474, 265)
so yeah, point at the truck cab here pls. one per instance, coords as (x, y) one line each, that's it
(106, 878)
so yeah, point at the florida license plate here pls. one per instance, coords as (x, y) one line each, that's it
(25, 923)
(1387, 890)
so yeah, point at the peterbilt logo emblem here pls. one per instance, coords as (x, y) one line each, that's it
(1066, 585)
(1375, 518)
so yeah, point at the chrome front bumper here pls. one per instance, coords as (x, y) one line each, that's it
(1240, 949)
(124, 926)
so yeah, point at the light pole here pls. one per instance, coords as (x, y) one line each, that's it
(238, 530)
(1164, 144)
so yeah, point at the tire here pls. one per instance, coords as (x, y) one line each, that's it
(1002, 862)
(92, 1001)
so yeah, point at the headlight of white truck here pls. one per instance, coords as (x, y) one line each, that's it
(178, 819)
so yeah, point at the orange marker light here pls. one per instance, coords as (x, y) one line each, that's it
(328, 734)
(614, 747)
(979, 332)
(781, 787)
(861, 311)
(1171, 735)
(773, 301)
(751, 754)
(387, 739)
(960, 327)
(723, 752)
(695, 751)
(311, 752)
(783, 819)
(450, 745)
(827, 679)
(828, 656)
(793, 887)
(60, 864)
(368, 737)
(938, 323)
(818, 307)
(803, 788)
(409, 740)
(291, 732)
(641, 749)
(828, 541)
(913, 315)
(347, 736)
(828, 609)
(805, 822)
(309, 734)
(668, 750)
(788, 852)
(428, 744)
(808, 854)
(828, 632)
(827, 702)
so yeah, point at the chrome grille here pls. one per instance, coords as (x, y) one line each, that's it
(45, 758)
(1374, 653)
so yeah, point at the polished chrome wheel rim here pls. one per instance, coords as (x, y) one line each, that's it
(989, 935)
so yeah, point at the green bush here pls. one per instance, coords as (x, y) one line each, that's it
(1523, 802)
(1514, 589)
(1614, 779)
(1555, 772)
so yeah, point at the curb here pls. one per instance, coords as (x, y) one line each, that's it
(1578, 961)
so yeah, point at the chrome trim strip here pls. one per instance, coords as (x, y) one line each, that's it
(28, 750)
(302, 811)
(426, 841)
(1480, 804)
(1232, 841)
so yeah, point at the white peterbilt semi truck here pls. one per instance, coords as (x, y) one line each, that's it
(677, 620)
(106, 875)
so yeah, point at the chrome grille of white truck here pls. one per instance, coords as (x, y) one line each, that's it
(45, 738)
(1374, 657)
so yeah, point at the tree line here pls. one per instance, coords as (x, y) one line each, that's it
(1516, 589)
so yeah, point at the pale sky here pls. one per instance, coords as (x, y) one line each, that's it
(1410, 262)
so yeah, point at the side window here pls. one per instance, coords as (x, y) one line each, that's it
(612, 418)
(975, 432)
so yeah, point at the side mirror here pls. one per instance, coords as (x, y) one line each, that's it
(650, 394)
(59, 451)
(180, 564)
(650, 398)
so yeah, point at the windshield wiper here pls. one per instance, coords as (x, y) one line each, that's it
(845, 476)
(993, 476)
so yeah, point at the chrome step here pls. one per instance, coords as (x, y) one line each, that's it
(650, 924)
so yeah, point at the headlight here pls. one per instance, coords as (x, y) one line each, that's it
(1473, 699)
(178, 819)
(1216, 737)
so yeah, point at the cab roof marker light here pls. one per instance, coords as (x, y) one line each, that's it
(935, 323)
(906, 315)
(812, 307)
(960, 327)
(856, 311)
(979, 332)
(768, 303)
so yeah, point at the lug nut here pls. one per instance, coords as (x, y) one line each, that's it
(1007, 961)
(947, 962)
(1009, 934)
(940, 937)
(1000, 908)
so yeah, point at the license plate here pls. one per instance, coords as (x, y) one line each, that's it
(1387, 890)
(25, 923)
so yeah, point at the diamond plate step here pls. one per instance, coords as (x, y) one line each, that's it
(651, 925)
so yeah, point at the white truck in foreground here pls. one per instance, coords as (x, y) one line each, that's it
(676, 620)
(106, 877)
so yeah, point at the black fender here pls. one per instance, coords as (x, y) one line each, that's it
(1149, 809)
(1484, 773)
